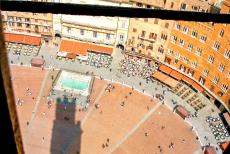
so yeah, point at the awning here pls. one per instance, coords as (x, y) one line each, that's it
(176, 75)
(181, 111)
(24, 39)
(160, 76)
(84, 58)
(171, 82)
(61, 54)
(209, 150)
(81, 48)
(101, 49)
(71, 55)
(197, 87)
(188, 80)
(165, 69)
(224, 145)
(227, 118)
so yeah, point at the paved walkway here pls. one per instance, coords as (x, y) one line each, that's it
(92, 108)
(37, 104)
(128, 134)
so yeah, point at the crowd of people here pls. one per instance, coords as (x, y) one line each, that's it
(135, 67)
(99, 60)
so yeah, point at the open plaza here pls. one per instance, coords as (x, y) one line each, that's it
(68, 106)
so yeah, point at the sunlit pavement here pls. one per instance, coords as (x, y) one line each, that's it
(115, 76)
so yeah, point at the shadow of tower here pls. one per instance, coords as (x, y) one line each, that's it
(66, 132)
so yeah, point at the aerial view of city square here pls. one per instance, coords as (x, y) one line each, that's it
(119, 85)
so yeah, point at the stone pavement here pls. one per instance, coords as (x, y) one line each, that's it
(150, 89)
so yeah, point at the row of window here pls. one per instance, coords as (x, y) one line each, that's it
(194, 8)
(152, 35)
(149, 6)
(194, 33)
(199, 50)
(215, 80)
(95, 34)
(221, 67)
(20, 19)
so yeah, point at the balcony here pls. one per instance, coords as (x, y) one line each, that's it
(147, 39)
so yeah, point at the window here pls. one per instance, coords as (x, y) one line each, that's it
(18, 19)
(164, 36)
(10, 18)
(181, 42)
(203, 38)
(183, 6)
(161, 49)
(227, 54)
(216, 46)
(186, 60)
(177, 26)
(108, 36)
(152, 36)
(215, 80)
(148, 6)
(221, 34)
(27, 25)
(134, 30)
(190, 46)
(171, 6)
(194, 64)
(195, 8)
(198, 51)
(221, 67)
(94, 34)
(68, 30)
(224, 87)
(185, 29)
(19, 24)
(170, 52)
(202, 80)
(205, 72)
(210, 59)
(174, 39)
(11, 24)
(156, 21)
(143, 33)
(182, 68)
(139, 4)
(177, 55)
(145, 19)
(81, 31)
(27, 20)
(194, 33)
(121, 37)
(166, 25)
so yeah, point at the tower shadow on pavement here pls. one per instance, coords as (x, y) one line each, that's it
(66, 131)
